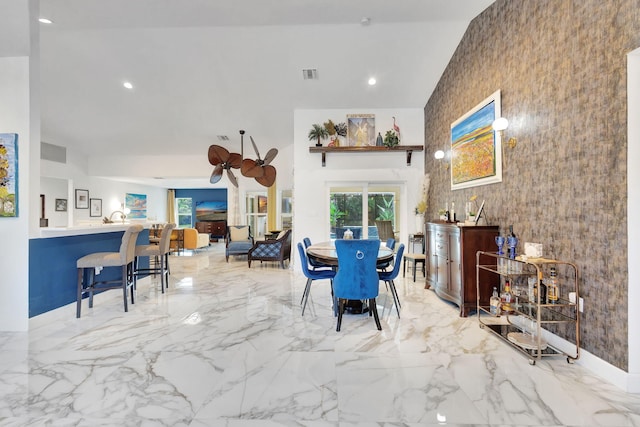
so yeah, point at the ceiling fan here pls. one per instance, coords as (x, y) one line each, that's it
(223, 160)
(260, 169)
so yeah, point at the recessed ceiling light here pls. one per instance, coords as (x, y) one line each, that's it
(45, 21)
(127, 85)
(372, 81)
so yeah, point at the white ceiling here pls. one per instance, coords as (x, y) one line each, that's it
(203, 68)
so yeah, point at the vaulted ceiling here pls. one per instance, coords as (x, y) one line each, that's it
(203, 68)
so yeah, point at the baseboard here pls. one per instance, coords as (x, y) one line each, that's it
(627, 382)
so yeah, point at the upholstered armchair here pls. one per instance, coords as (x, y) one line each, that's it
(277, 249)
(194, 240)
(238, 240)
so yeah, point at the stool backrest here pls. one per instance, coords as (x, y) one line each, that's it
(165, 238)
(128, 243)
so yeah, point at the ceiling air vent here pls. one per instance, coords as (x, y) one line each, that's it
(310, 74)
(223, 138)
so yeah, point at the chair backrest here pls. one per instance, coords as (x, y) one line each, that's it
(385, 229)
(304, 264)
(128, 244)
(238, 233)
(165, 238)
(312, 262)
(357, 277)
(391, 243)
(391, 275)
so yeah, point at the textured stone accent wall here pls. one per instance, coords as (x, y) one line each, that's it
(561, 67)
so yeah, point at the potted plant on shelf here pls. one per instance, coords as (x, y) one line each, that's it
(318, 133)
(391, 138)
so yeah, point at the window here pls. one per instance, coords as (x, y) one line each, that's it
(357, 208)
(256, 208)
(184, 212)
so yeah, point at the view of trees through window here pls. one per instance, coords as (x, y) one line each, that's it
(345, 212)
(183, 211)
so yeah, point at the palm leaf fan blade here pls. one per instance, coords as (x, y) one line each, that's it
(216, 175)
(218, 154)
(235, 160)
(271, 154)
(269, 176)
(251, 169)
(232, 178)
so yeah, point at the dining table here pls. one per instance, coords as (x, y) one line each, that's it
(325, 253)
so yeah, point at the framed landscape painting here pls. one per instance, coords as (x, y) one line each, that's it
(476, 149)
(8, 174)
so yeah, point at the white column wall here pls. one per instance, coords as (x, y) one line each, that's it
(312, 181)
(633, 228)
(14, 250)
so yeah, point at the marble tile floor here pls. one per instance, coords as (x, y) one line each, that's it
(227, 346)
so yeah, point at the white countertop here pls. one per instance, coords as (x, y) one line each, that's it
(78, 230)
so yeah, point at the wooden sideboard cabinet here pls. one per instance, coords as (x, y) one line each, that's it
(451, 262)
(215, 229)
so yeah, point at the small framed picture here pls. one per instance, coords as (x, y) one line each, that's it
(61, 205)
(82, 199)
(96, 207)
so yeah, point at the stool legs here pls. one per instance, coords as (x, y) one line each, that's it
(126, 282)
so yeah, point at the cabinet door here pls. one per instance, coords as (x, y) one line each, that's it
(432, 259)
(455, 269)
(442, 273)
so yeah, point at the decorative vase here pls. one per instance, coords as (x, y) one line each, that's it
(379, 141)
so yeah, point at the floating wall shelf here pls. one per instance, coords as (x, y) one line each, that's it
(409, 149)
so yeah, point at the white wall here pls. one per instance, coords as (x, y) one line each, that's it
(633, 205)
(76, 173)
(311, 180)
(14, 252)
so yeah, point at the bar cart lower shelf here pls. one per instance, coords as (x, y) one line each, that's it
(525, 325)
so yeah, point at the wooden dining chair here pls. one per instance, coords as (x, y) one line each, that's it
(357, 277)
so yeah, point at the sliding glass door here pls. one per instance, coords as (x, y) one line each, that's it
(357, 207)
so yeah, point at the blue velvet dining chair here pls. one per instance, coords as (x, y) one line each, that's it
(311, 275)
(391, 244)
(312, 262)
(357, 277)
(389, 276)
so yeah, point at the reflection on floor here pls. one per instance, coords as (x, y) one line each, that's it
(226, 346)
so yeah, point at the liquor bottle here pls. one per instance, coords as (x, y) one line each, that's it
(447, 216)
(553, 291)
(453, 212)
(506, 297)
(542, 289)
(494, 303)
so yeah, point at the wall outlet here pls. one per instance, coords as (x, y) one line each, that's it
(572, 299)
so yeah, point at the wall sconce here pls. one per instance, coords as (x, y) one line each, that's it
(439, 155)
(499, 125)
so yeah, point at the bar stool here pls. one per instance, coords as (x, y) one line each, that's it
(414, 259)
(160, 253)
(123, 258)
